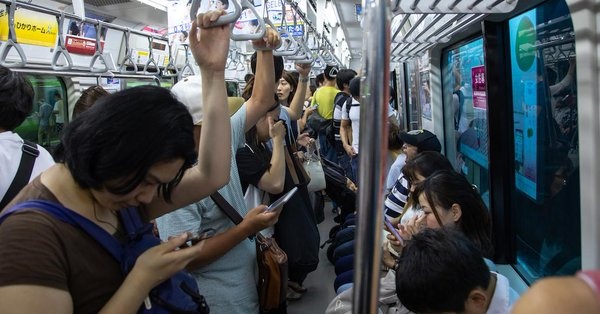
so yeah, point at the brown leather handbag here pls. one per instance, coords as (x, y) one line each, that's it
(272, 273)
(271, 259)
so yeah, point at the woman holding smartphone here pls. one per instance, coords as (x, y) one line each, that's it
(132, 149)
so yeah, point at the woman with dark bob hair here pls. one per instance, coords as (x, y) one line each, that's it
(132, 149)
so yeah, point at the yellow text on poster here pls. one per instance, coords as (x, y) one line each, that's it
(31, 27)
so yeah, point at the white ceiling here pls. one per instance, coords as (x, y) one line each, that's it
(350, 25)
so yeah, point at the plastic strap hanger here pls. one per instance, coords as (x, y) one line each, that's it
(60, 48)
(98, 53)
(128, 59)
(12, 42)
(151, 60)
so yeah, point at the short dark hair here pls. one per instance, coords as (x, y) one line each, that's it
(248, 76)
(425, 164)
(88, 98)
(355, 87)
(319, 79)
(446, 187)
(123, 135)
(437, 270)
(277, 61)
(16, 98)
(343, 77)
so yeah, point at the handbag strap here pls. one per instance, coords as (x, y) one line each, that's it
(229, 211)
(64, 214)
(28, 157)
(226, 208)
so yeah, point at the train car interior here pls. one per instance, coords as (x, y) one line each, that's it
(501, 83)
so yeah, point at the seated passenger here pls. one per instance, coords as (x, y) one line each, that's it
(16, 103)
(443, 271)
(556, 295)
(416, 141)
(133, 149)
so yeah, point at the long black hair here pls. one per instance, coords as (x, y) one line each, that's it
(445, 188)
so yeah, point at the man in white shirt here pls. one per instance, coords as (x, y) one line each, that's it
(440, 270)
(16, 103)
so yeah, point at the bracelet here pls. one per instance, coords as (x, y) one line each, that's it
(303, 79)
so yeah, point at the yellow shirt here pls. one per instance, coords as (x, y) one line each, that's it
(323, 98)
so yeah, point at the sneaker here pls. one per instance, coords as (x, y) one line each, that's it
(296, 287)
(292, 295)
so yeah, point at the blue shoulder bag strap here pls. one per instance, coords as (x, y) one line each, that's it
(66, 215)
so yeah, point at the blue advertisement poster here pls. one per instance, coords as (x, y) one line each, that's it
(525, 112)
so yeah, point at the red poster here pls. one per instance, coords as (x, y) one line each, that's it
(81, 45)
(479, 90)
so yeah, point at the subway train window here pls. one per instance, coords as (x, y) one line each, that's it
(465, 112)
(414, 108)
(49, 114)
(546, 158)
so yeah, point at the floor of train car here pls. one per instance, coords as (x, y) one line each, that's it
(320, 282)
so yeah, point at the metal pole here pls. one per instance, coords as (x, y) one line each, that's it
(373, 152)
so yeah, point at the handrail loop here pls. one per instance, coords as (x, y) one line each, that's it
(222, 20)
(61, 48)
(12, 42)
(170, 70)
(187, 64)
(261, 25)
(151, 58)
(128, 59)
(98, 53)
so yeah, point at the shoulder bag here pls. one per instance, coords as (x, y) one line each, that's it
(272, 262)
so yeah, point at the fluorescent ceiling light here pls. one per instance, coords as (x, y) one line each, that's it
(157, 4)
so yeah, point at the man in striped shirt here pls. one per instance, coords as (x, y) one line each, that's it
(415, 142)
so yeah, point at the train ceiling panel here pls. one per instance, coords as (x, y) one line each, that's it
(350, 24)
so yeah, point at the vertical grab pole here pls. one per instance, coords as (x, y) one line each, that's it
(373, 147)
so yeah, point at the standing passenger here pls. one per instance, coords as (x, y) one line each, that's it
(225, 270)
(16, 102)
(134, 149)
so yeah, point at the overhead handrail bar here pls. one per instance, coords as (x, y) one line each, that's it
(186, 65)
(12, 41)
(128, 55)
(374, 96)
(61, 49)
(151, 60)
(222, 20)
(261, 25)
(98, 52)
(72, 73)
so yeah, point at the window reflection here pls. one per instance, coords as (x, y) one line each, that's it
(465, 112)
(546, 157)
